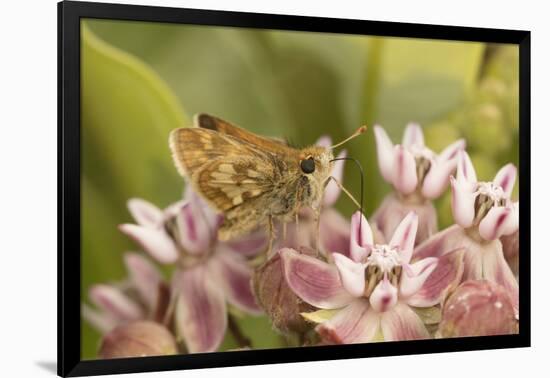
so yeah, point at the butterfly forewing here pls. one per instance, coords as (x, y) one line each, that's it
(225, 170)
(229, 183)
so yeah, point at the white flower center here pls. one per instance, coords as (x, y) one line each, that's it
(384, 257)
(492, 191)
(383, 261)
(422, 152)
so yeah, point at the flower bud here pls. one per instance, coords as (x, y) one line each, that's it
(510, 247)
(138, 339)
(478, 308)
(276, 298)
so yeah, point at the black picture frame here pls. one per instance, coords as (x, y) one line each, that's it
(69, 260)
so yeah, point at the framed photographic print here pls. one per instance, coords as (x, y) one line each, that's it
(241, 188)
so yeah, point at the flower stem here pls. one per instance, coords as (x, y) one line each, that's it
(240, 338)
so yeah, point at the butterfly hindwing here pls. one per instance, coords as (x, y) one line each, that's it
(273, 145)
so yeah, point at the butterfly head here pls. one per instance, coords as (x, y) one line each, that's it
(315, 161)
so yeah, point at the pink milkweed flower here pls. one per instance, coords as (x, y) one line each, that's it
(483, 212)
(142, 296)
(485, 205)
(374, 288)
(209, 272)
(417, 174)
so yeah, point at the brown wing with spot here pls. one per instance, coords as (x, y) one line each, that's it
(225, 171)
(272, 145)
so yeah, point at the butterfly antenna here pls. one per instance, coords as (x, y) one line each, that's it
(357, 132)
(358, 164)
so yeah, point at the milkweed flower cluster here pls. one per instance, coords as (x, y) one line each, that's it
(484, 212)
(208, 273)
(373, 288)
(352, 282)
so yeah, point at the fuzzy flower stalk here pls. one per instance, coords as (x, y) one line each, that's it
(372, 291)
(209, 273)
(483, 212)
(418, 176)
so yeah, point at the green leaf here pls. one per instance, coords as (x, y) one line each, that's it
(127, 115)
(429, 315)
(319, 316)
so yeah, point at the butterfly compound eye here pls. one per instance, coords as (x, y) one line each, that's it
(307, 165)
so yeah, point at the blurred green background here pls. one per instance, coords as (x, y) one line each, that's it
(141, 80)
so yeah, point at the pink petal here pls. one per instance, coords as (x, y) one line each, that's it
(506, 177)
(314, 281)
(145, 277)
(513, 222)
(402, 323)
(462, 203)
(437, 179)
(361, 237)
(233, 275)
(440, 243)
(450, 153)
(156, 242)
(324, 141)
(445, 277)
(113, 302)
(332, 190)
(404, 236)
(384, 150)
(496, 269)
(384, 296)
(355, 323)
(404, 177)
(102, 322)
(473, 262)
(496, 223)
(213, 218)
(195, 233)
(510, 248)
(297, 236)
(334, 232)
(420, 271)
(200, 314)
(352, 274)
(249, 245)
(413, 135)
(145, 213)
(392, 211)
(465, 171)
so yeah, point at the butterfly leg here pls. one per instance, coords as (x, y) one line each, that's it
(345, 191)
(317, 218)
(271, 235)
(284, 232)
